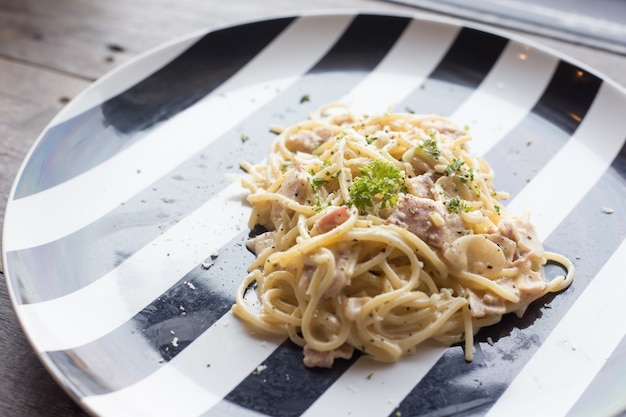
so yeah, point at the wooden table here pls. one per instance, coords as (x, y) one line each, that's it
(52, 50)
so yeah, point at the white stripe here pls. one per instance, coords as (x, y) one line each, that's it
(107, 303)
(36, 219)
(564, 181)
(371, 388)
(522, 72)
(406, 66)
(196, 379)
(575, 351)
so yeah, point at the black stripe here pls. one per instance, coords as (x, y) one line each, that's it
(460, 72)
(202, 68)
(286, 387)
(568, 97)
(365, 43)
(470, 58)
(179, 84)
(129, 227)
(589, 238)
(524, 151)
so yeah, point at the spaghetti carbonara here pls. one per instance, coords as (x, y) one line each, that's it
(379, 233)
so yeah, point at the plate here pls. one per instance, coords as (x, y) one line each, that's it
(124, 233)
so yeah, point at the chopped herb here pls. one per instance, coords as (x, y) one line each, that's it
(497, 209)
(454, 166)
(455, 204)
(305, 98)
(370, 375)
(381, 180)
(336, 174)
(316, 182)
(466, 176)
(409, 110)
(429, 147)
(244, 138)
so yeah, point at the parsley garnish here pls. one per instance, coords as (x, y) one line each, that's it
(304, 98)
(381, 180)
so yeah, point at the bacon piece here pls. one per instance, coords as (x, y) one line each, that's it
(296, 185)
(261, 242)
(418, 215)
(523, 233)
(353, 305)
(305, 140)
(421, 185)
(341, 279)
(332, 219)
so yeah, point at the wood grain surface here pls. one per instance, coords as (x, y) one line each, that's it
(52, 50)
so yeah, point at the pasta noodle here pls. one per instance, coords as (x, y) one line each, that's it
(381, 232)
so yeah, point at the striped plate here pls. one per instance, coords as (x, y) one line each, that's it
(123, 235)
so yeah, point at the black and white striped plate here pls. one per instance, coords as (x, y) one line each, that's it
(124, 202)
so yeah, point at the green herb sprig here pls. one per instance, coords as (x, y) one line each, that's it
(430, 148)
(457, 168)
(379, 180)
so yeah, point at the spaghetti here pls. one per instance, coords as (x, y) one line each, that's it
(380, 233)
